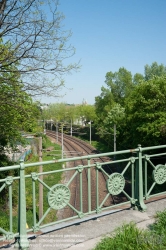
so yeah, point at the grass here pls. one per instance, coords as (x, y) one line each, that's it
(50, 180)
(129, 237)
(100, 146)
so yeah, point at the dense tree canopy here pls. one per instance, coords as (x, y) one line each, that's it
(154, 70)
(145, 111)
(104, 103)
(142, 99)
(120, 84)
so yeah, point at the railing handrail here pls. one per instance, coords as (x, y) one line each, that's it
(134, 162)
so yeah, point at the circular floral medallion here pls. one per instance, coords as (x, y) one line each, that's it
(115, 183)
(58, 196)
(159, 174)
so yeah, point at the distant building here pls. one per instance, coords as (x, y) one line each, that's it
(84, 102)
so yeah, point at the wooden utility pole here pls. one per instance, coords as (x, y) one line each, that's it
(41, 178)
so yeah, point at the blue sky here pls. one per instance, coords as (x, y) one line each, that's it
(107, 35)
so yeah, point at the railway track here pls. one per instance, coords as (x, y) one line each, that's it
(74, 147)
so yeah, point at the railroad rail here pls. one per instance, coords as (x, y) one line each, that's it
(74, 146)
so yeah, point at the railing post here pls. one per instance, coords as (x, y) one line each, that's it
(89, 186)
(22, 241)
(139, 182)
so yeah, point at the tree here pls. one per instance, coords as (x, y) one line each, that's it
(54, 111)
(108, 128)
(120, 84)
(104, 103)
(32, 30)
(62, 112)
(138, 78)
(86, 111)
(154, 70)
(145, 112)
(17, 111)
(143, 98)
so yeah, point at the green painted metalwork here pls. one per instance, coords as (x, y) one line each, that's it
(159, 174)
(131, 181)
(89, 186)
(132, 160)
(98, 167)
(34, 178)
(22, 241)
(139, 182)
(80, 169)
(115, 183)
(58, 196)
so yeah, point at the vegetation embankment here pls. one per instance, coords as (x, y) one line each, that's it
(130, 237)
(49, 179)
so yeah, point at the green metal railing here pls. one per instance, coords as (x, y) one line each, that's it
(136, 181)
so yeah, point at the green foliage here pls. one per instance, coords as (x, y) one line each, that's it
(159, 227)
(137, 78)
(4, 221)
(109, 105)
(4, 161)
(50, 179)
(68, 114)
(54, 111)
(142, 99)
(115, 115)
(145, 110)
(129, 237)
(104, 103)
(154, 70)
(86, 111)
(120, 84)
(17, 110)
(101, 147)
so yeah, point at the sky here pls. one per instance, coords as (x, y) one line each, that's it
(107, 35)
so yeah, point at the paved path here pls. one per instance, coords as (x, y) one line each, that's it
(85, 235)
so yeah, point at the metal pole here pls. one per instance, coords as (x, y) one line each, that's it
(140, 197)
(62, 141)
(22, 241)
(114, 137)
(51, 124)
(90, 132)
(41, 178)
(62, 147)
(57, 131)
(71, 128)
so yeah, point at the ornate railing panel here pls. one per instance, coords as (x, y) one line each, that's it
(126, 182)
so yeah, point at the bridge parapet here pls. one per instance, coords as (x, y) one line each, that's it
(130, 179)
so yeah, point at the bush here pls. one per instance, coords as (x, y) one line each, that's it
(159, 227)
(4, 222)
